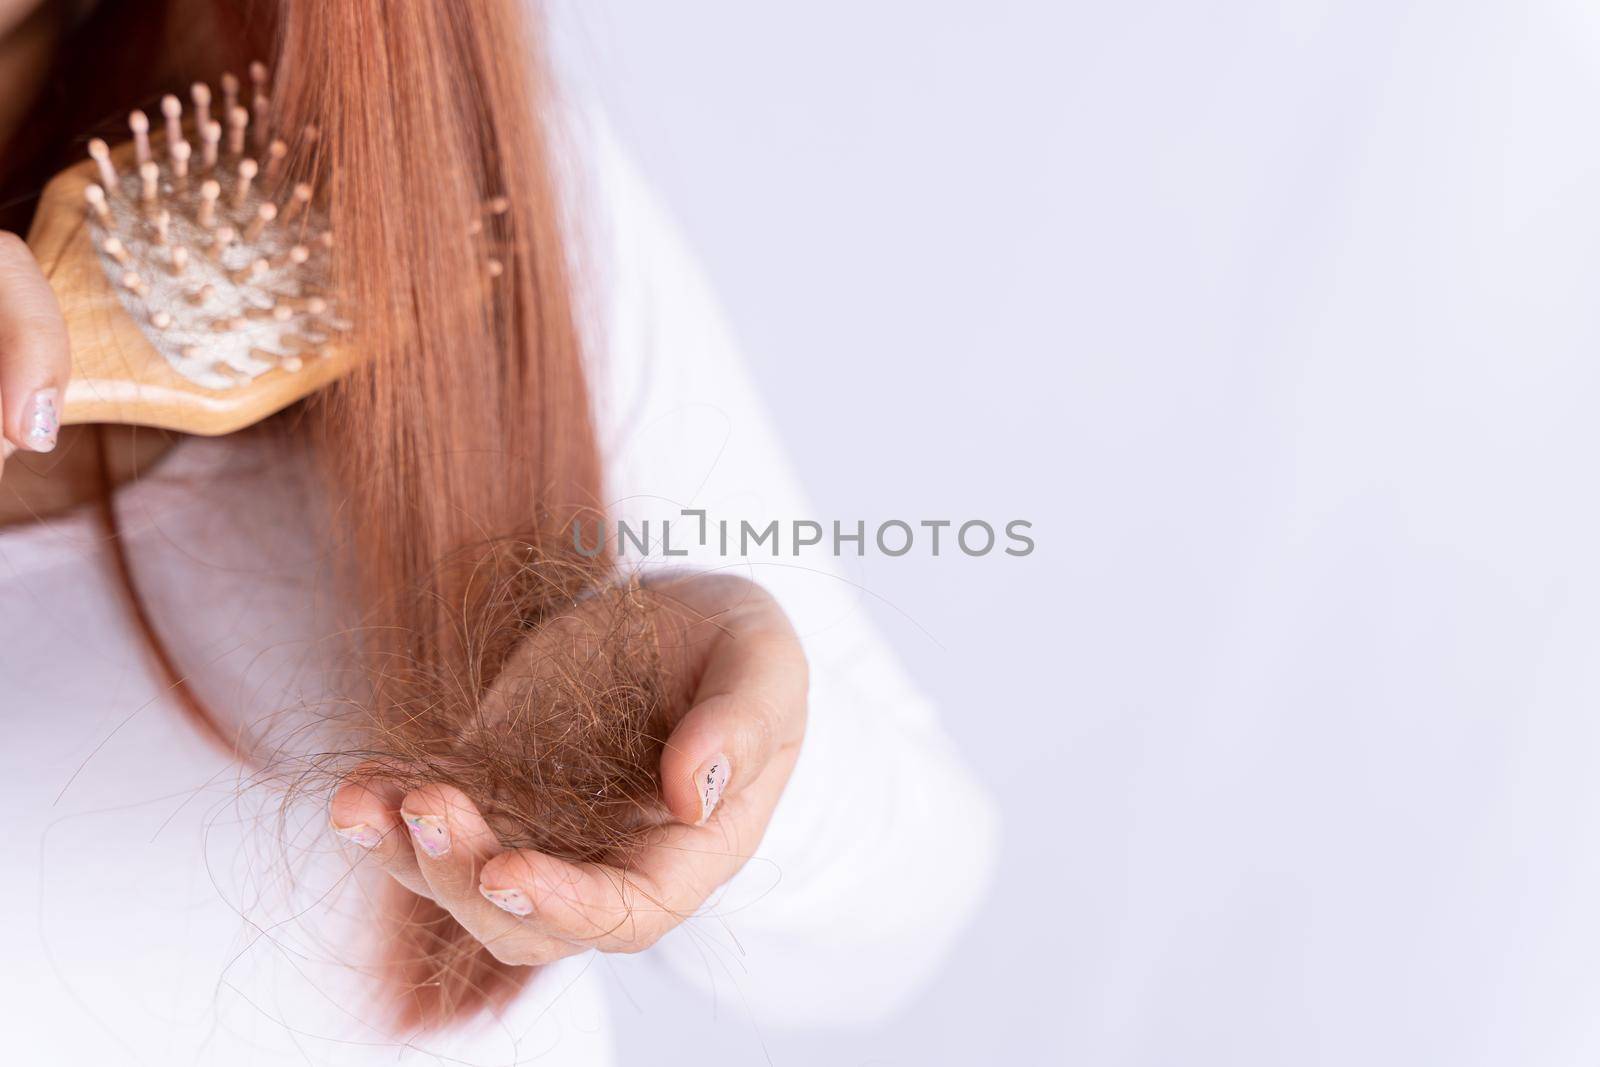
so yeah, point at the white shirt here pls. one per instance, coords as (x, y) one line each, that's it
(153, 910)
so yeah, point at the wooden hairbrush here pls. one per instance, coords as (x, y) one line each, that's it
(194, 281)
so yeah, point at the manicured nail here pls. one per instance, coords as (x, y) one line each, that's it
(431, 832)
(713, 778)
(513, 900)
(42, 421)
(362, 834)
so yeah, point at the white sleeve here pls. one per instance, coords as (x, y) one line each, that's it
(883, 842)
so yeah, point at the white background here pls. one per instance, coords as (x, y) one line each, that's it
(874, 191)
(1279, 319)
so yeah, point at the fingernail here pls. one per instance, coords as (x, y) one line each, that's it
(431, 832)
(713, 778)
(513, 900)
(362, 834)
(42, 421)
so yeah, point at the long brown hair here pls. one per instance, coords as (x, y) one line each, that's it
(461, 452)
(464, 446)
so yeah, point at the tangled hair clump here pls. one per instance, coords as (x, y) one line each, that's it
(557, 739)
(554, 724)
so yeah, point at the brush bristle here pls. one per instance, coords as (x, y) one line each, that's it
(222, 262)
(226, 282)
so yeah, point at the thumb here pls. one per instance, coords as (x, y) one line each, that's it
(751, 705)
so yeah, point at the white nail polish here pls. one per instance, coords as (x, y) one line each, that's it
(431, 832)
(513, 900)
(712, 780)
(361, 834)
(42, 421)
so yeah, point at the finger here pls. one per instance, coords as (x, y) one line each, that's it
(34, 358)
(452, 843)
(627, 910)
(366, 812)
(749, 707)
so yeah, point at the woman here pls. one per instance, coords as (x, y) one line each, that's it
(353, 549)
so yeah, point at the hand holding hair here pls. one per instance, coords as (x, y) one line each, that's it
(723, 767)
